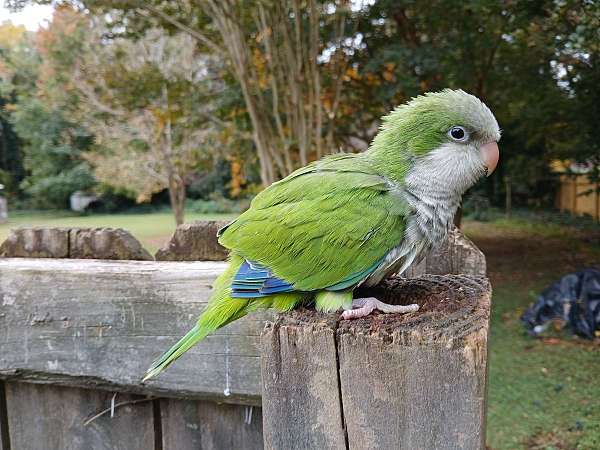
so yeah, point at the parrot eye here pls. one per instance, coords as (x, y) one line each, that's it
(458, 134)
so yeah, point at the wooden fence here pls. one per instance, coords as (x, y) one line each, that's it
(76, 335)
(578, 195)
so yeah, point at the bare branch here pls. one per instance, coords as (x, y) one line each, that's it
(143, 6)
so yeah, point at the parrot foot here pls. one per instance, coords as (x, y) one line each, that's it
(362, 307)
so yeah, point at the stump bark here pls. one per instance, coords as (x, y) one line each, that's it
(413, 381)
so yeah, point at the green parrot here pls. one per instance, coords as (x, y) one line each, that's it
(350, 220)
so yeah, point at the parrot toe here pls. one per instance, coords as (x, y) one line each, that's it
(362, 307)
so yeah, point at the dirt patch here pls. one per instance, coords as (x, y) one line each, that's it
(523, 257)
(545, 441)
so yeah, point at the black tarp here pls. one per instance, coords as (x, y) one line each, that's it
(574, 300)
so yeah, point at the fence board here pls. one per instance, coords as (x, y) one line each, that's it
(100, 323)
(188, 425)
(52, 418)
(4, 438)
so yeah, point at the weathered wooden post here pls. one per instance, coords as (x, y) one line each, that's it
(415, 381)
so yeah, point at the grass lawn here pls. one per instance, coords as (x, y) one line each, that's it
(543, 393)
(152, 229)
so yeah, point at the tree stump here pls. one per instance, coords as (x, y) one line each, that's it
(412, 381)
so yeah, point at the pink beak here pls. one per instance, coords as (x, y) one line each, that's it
(490, 154)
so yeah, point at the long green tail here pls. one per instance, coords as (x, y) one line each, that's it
(221, 310)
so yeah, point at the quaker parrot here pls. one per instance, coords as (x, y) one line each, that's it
(350, 220)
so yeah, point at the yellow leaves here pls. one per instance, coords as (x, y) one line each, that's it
(66, 21)
(237, 178)
(10, 34)
(10, 107)
(372, 79)
(351, 74)
(388, 72)
(266, 32)
(260, 64)
(143, 198)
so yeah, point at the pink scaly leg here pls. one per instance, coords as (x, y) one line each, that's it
(362, 307)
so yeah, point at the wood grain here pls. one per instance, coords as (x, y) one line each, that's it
(101, 323)
(210, 426)
(301, 396)
(4, 437)
(456, 255)
(414, 381)
(52, 418)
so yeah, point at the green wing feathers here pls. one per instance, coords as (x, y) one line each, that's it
(320, 225)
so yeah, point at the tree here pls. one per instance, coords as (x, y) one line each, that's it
(315, 76)
(142, 101)
(51, 144)
(287, 57)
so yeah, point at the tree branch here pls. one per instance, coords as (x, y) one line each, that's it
(143, 6)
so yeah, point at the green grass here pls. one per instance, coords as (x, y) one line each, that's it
(543, 393)
(151, 229)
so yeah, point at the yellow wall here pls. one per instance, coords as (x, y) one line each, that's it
(569, 196)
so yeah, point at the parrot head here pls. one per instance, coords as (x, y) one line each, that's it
(448, 139)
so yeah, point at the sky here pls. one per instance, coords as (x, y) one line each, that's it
(32, 16)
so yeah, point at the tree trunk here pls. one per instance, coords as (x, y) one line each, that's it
(508, 199)
(280, 78)
(177, 196)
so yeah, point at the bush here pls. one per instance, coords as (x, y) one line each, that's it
(53, 192)
(218, 205)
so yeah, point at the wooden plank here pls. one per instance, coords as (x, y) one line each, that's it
(52, 418)
(301, 396)
(188, 425)
(415, 381)
(101, 323)
(4, 438)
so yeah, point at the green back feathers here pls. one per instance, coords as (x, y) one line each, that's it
(322, 224)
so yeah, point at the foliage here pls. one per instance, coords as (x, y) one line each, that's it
(51, 144)
(143, 101)
(300, 79)
(218, 205)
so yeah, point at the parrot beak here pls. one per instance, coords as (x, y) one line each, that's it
(490, 155)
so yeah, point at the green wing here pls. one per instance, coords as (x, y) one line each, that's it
(327, 223)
